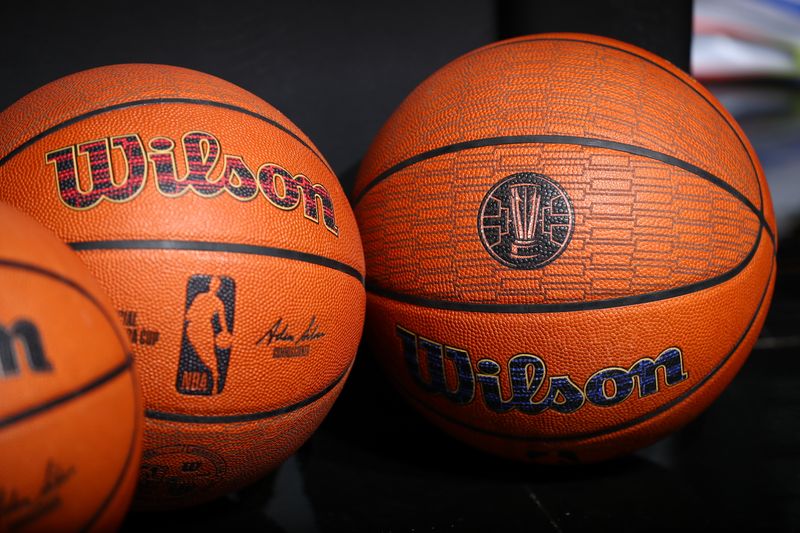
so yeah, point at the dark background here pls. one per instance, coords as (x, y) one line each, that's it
(338, 69)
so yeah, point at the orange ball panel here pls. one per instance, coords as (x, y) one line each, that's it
(187, 215)
(257, 380)
(221, 463)
(569, 85)
(578, 344)
(71, 418)
(86, 451)
(639, 227)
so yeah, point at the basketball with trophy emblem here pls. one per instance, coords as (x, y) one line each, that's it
(570, 248)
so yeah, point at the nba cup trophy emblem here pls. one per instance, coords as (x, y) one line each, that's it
(525, 221)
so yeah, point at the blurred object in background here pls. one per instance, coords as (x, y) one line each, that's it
(746, 39)
(770, 115)
(748, 54)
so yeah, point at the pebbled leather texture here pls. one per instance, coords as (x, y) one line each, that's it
(665, 236)
(225, 242)
(71, 418)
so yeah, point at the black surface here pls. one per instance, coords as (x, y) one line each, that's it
(338, 70)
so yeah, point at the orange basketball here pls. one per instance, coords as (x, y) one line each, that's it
(71, 411)
(570, 247)
(227, 246)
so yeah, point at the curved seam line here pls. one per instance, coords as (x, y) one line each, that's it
(693, 89)
(566, 306)
(65, 398)
(112, 321)
(247, 417)
(618, 427)
(716, 110)
(137, 415)
(205, 246)
(151, 101)
(570, 140)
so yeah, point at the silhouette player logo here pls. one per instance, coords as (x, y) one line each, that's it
(207, 335)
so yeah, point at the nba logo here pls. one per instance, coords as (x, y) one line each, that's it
(207, 335)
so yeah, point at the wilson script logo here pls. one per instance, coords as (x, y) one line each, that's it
(118, 170)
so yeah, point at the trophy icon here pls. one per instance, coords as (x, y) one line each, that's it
(525, 203)
(525, 220)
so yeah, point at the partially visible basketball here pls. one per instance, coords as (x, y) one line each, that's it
(570, 247)
(227, 246)
(71, 412)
